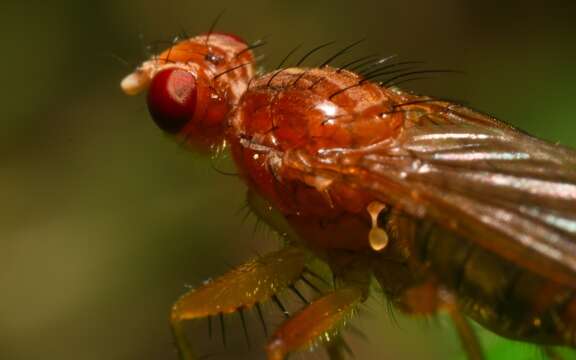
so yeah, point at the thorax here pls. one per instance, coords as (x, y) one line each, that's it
(306, 111)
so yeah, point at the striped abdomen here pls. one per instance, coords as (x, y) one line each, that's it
(499, 295)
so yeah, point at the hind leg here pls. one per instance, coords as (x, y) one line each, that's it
(468, 337)
(550, 353)
(428, 299)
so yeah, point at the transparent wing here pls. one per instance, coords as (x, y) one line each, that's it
(506, 190)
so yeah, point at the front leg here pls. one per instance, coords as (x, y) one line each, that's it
(241, 288)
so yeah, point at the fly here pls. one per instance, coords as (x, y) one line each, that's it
(447, 208)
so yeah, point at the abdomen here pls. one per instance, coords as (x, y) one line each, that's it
(499, 295)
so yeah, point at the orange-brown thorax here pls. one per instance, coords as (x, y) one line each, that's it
(299, 110)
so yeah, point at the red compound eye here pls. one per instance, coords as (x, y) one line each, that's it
(172, 99)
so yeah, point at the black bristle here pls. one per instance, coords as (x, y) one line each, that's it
(261, 317)
(341, 52)
(244, 327)
(213, 25)
(312, 51)
(315, 275)
(223, 329)
(231, 69)
(255, 45)
(210, 327)
(359, 60)
(281, 306)
(311, 285)
(288, 56)
(391, 80)
(295, 290)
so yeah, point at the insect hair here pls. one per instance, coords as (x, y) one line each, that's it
(365, 65)
(404, 72)
(281, 306)
(391, 80)
(232, 69)
(360, 60)
(312, 51)
(244, 327)
(385, 69)
(221, 172)
(276, 300)
(261, 318)
(213, 26)
(325, 63)
(341, 52)
(120, 60)
(223, 328)
(255, 45)
(279, 68)
(298, 294)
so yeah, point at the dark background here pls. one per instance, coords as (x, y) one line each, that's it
(104, 220)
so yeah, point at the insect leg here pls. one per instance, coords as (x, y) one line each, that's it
(550, 353)
(466, 333)
(338, 349)
(318, 321)
(427, 299)
(241, 288)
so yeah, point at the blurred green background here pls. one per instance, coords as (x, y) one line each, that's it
(105, 221)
